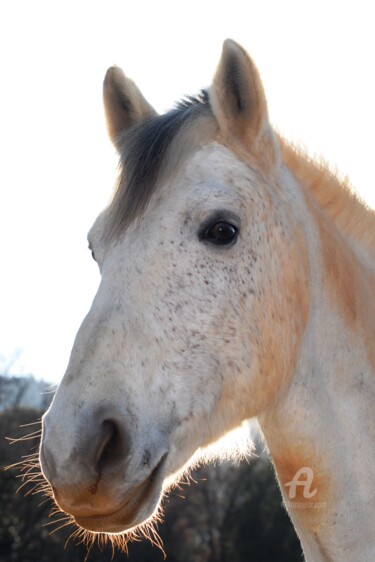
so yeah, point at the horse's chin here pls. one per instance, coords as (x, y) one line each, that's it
(124, 519)
(138, 506)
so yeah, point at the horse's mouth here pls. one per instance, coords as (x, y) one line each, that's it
(138, 506)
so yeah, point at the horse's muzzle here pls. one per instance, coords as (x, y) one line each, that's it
(107, 480)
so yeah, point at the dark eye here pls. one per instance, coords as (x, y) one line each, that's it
(221, 233)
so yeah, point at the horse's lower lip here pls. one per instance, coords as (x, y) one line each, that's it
(143, 499)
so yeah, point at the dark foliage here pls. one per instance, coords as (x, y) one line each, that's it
(231, 514)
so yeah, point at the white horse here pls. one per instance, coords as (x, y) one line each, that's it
(237, 282)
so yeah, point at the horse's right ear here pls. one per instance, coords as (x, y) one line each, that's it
(123, 102)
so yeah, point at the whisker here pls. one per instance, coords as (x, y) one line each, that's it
(25, 484)
(65, 518)
(33, 435)
(31, 423)
(89, 548)
(28, 472)
(43, 502)
(20, 464)
(59, 528)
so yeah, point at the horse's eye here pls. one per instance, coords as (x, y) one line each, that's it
(221, 233)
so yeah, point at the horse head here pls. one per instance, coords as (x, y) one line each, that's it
(202, 303)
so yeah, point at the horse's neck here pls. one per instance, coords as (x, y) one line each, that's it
(325, 422)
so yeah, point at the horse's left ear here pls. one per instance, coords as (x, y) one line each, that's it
(238, 100)
(124, 104)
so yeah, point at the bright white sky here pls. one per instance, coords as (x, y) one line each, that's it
(57, 166)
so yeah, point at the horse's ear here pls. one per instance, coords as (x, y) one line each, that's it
(237, 98)
(123, 102)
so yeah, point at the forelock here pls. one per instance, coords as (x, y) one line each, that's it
(154, 148)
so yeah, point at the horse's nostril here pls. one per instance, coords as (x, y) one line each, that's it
(112, 447)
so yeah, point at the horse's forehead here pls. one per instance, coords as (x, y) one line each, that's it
(217, 162)
(212, 177)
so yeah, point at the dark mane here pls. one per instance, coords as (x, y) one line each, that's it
(190, 101)
(143, 152)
